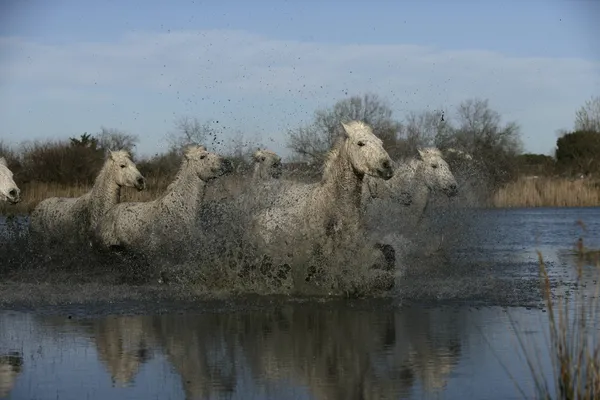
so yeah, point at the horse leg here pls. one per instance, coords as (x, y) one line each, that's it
(389, 256)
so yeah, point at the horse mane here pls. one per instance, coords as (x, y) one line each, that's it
(256, 154)
(122, 153)
(192, 150)
(332, 155)
(431, 151)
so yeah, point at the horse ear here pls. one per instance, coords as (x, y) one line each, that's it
(186, 151)
(421, 153)
(3, 161)
(111, 154)
(346, 129)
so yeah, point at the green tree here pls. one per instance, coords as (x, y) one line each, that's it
(577, 152)
(85, 140)
(535, 164)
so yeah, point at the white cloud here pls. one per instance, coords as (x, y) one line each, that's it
(276, 83)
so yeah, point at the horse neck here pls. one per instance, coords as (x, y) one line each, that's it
(259, 172)
(420, 191)
(187, 189)
(105, 193)
(342, 182)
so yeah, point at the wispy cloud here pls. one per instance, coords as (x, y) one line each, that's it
(242, 70)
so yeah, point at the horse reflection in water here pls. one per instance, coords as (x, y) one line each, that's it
(11, 366)
(123, 345)
(335, 353)
(202, 350)
(352, 358)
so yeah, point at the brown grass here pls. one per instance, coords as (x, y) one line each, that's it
(35, 192)
(541, 192)
(573, 342)
(548, 192)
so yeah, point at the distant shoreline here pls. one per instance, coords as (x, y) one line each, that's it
(521, 193)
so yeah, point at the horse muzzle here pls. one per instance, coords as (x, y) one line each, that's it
(226, 167)
(385, 173)
(451, 190)
(140, 184)
(277, 172)
(13, 196)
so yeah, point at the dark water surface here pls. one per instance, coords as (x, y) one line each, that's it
(384, 349)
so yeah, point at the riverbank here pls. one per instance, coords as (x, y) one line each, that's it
(548, 192)
(522, 193)
(33, 193)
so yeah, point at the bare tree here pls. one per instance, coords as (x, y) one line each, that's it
(239, 149)
(114, 139)
(479, 130)
(312, 141)
(191, 130)
(424, 128)
(587, 118)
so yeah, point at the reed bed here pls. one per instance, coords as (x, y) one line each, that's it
(548, 192)
(524, 192)
(574, 344)
(34, 192)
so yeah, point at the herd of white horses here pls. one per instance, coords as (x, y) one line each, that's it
(357, 173)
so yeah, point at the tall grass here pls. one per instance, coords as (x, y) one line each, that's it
(574, 336)
(548, 192)
(541, 192)
(34, 192)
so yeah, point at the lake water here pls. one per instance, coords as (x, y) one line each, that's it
(380, 349)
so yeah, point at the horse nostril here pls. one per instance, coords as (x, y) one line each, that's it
(386, 164)
(140, 181)
(13, 193)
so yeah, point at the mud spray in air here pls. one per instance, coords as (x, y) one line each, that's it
(427, 250)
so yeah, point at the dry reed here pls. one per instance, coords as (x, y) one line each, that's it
(548, 192)
(541, 192)
(574, 345)
(34, 192)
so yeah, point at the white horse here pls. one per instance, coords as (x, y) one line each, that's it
(328, 210)
(8, 188)
(267, 165)
(414, 182)
(417, 179)
(141, 226)
(55, 217)
(471, 177)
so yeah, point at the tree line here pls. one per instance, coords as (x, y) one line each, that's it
(472, 127)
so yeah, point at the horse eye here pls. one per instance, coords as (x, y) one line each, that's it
(262, 159)
(361, 144)
(434, 165)
(202, 157)
(123, 165)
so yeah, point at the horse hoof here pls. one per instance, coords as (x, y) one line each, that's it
(389, 255)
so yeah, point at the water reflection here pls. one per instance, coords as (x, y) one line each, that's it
(123, 346)
(320, 353)
(11, 366)
(202, 351)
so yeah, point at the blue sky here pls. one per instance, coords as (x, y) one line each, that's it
(263, 67)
